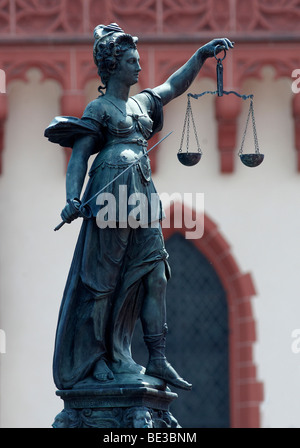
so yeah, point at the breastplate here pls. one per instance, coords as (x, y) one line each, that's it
(133, 151)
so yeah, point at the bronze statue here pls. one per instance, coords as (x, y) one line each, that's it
(118, 273)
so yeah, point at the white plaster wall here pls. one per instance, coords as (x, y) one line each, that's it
(34, 259)
(257, 211)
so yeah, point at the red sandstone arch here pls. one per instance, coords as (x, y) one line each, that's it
(246, 392)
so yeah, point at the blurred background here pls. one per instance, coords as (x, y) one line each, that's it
(233, 299)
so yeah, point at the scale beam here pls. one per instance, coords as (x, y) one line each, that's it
(215, 92)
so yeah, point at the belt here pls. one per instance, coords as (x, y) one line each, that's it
(137, 141)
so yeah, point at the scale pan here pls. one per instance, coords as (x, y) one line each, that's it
(189, 158)
(252, 160)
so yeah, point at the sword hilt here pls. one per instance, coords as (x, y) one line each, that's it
(59, 225)
(84, 211)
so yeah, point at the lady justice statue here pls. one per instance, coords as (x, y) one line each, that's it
(119, 273)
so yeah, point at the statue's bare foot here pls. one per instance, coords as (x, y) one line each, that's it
(102, 372)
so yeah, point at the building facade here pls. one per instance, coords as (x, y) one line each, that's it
(245, 265)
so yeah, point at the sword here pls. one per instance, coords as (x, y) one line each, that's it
(84, 210)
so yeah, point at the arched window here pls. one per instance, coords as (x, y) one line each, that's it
(197, 345)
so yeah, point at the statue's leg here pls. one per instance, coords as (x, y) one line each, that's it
(101, 312)
(153, 313)
(153, 317)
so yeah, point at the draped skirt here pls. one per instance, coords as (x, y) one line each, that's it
(102, 298)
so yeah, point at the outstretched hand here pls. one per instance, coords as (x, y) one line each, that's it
(215, 46)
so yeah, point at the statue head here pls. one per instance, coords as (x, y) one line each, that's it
(110, 44)
(138, 417)
(66, 419)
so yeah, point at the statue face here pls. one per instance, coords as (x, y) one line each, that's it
(60, 421)
(142, 419)
(128, 68)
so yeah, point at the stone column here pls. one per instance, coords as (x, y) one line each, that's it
(228, 108)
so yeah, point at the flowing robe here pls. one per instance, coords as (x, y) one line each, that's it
(104, 291)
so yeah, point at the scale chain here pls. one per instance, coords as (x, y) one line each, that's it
(254, 129)
(186, 127)
(251, 112)
(245, 131)
(195, 132)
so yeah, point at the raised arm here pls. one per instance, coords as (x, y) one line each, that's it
(181, 80)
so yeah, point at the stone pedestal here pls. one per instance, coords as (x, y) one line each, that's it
(127, 402)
